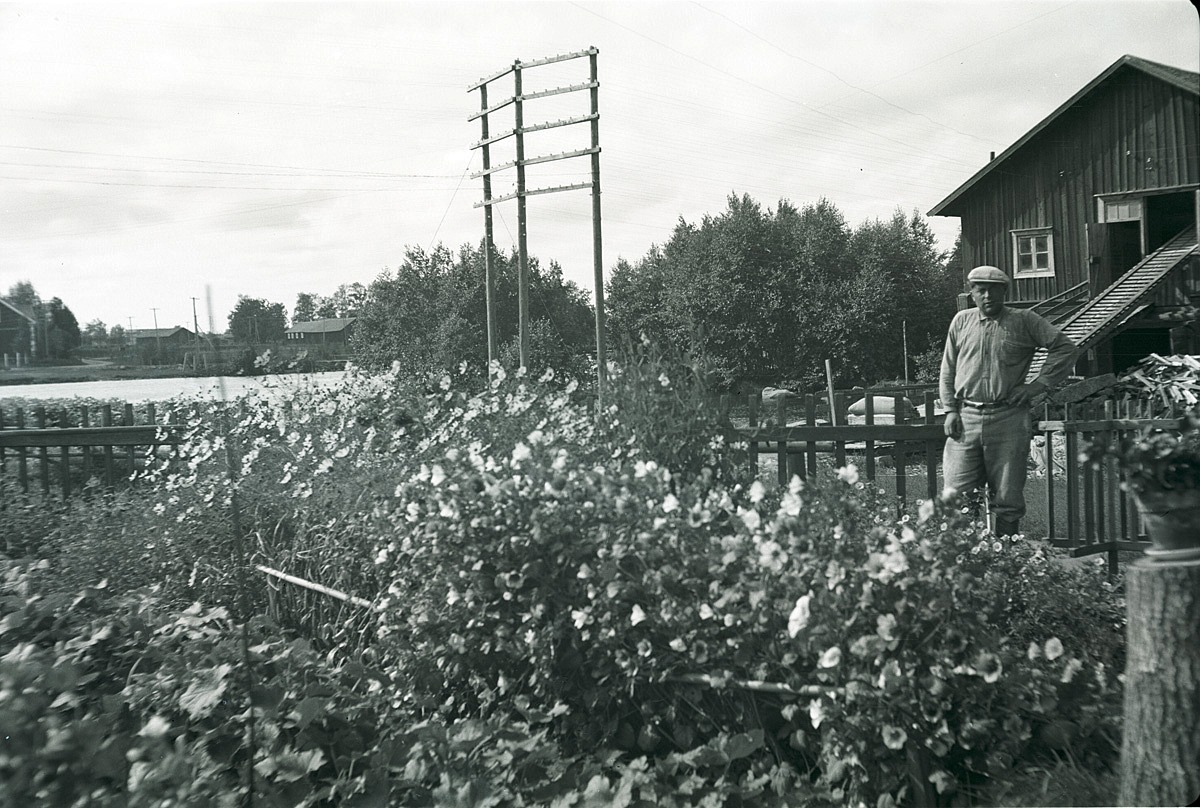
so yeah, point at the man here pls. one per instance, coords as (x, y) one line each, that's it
(988, 424)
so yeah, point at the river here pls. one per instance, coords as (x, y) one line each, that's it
(135, 390)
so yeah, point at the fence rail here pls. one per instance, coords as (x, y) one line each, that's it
(63, 449)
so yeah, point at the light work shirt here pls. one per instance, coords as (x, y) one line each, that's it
(986, 357)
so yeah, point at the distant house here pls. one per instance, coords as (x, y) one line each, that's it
(18, 334)
(1094, 213)
(174, 337)
(333, 331)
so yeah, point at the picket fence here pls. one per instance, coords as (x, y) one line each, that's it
(67, 449)
(1077, 506)
(1081, 507)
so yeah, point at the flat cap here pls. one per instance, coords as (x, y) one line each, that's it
(986, 274)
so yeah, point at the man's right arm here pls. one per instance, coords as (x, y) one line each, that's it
(953, 428)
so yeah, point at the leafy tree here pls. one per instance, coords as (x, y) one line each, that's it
(305, 310)
(348, 299)
(431, 312)
(255, 320)
(118, 339)
(767, 295)
(23, 293)
(95, 334)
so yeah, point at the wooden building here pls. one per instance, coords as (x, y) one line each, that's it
(1094, 214)
(18, 330)
(329, 331)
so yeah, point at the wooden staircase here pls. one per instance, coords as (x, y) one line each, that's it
(1105, 312)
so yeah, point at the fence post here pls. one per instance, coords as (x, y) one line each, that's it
(22, 458)
(106, 419)
(129, 421)
(64, 454)
(1160, 744)
(752, 410)
(931, 449)
(39, 419)
(810, 418)
(869, 445)
(781, 415)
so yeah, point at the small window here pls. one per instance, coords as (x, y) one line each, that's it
(1119, 210)
(1033, 253)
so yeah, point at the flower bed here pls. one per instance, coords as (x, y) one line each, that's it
(569, 605)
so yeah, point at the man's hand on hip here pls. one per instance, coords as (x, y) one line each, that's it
(953, 426)
(1023, 394)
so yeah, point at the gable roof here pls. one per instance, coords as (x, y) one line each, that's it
(327, 326)
(24, 311)
(157, 333)
(1183, 79)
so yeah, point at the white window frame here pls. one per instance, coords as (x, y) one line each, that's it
(1105, 213)
(1030, 233)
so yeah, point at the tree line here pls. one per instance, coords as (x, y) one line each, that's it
(766, 295)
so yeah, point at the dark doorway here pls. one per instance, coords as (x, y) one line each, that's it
(1135, 344)
(1115, 249)
(1166, 215)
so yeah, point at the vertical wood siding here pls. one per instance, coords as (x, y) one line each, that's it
(1133, 133)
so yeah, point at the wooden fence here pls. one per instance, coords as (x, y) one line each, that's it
(1074, 505)
(800, 433)
(64, 449)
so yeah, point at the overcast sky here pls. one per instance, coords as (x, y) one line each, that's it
(149, 151)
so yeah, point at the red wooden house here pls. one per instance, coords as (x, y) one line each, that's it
(1094, 214)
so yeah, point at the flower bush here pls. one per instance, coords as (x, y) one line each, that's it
(566, 604)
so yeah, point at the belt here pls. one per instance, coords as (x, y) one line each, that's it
(984, 405)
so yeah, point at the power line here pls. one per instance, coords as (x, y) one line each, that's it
(824, 69)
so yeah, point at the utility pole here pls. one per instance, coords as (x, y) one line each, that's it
(196, 325)
(519, 131)
(157, 338)
(132, 339)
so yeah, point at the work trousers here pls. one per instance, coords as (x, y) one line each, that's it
(993, 451)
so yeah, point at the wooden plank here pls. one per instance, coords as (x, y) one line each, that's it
(1072, 439)
(1048, 458)
(899, 458)
(22, 459)
(106, 420)
(129, 421)
(837, 411)
(39, 419)
(869, 446)
(752, 409)
(781, 448)
(85, 422)
(64, 456)
(810, 418)
(110, 436)
(931, 453)
(852, 433)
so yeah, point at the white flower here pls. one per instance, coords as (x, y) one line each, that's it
(816, 712)
(1073, 667)
(670, 503)
(830, 658)
(452, 597)
(664, 380)
(637, 615)
(521, 452)
(924, 511)
(706, 612)
(580, 617)
(790, 504)
(535, 437)
(894, 737)
(1034, 651)
(848, 474)
(436, 475)
(757, 491)
(885, 626)
(798, 619)
(751, 519)
(678, 645)
(1054, 648)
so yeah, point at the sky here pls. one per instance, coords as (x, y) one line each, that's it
(156, 158)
